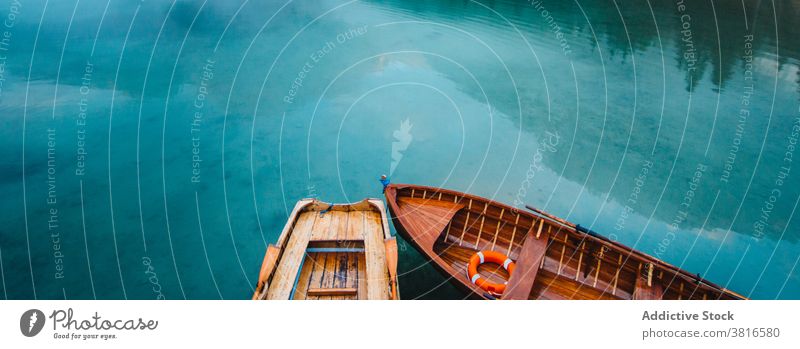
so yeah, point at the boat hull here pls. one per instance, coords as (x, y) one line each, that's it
(468, 289)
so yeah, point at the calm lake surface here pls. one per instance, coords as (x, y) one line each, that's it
(153, 149)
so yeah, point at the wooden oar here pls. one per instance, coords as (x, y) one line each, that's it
(545, 214)
(391, 261)
(569, 224)
(267, 265)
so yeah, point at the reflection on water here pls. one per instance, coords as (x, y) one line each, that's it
(181, 134)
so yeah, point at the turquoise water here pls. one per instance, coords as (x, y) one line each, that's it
(153, 149)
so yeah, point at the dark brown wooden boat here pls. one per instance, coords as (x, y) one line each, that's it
(554, 259)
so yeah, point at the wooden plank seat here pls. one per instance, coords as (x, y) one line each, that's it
(530, 258)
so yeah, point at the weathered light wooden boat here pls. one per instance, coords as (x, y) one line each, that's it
(553, 259)
(332, 251)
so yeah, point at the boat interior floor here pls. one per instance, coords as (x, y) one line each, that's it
(549, 284)
(335, 255)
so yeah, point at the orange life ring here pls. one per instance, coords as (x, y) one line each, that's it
(489, 257)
